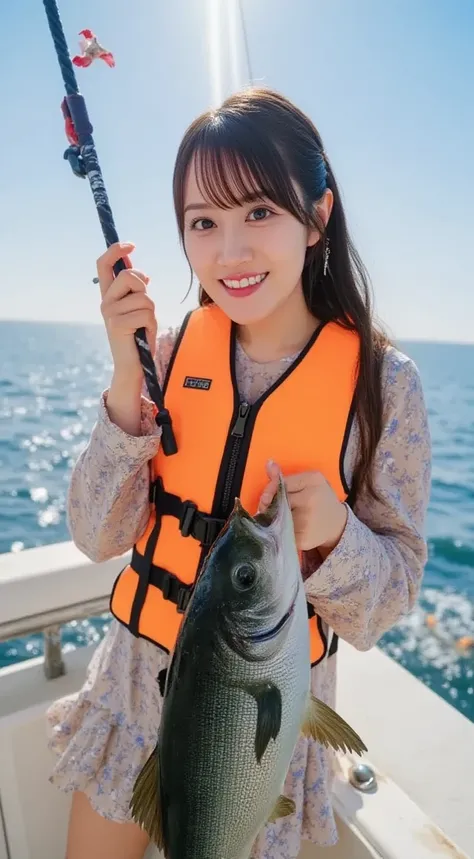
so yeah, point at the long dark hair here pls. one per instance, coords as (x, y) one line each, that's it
(257, 142)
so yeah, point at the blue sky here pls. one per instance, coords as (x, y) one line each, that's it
(388, 84)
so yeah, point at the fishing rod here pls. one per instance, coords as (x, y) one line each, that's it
(84, 162)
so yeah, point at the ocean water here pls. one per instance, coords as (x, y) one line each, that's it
(50, 380)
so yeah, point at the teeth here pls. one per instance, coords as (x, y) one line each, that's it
(246, 281)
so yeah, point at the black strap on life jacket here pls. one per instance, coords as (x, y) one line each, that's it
(145, 563)
(171, 587)
(192, 523)
(334, 642)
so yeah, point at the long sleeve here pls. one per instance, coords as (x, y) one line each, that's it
(108, 505)
(373, 576)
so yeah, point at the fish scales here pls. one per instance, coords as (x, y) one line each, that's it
(224, 795)
(237, 697)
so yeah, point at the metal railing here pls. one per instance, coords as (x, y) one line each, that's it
(44, 588)
(49, 624)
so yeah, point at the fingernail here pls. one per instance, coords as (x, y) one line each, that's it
(127, 245)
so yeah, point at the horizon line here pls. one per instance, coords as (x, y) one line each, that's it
(98, 324)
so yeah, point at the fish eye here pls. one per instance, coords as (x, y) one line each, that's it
(244, 577)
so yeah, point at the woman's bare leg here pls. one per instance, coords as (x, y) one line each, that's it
(91, 836)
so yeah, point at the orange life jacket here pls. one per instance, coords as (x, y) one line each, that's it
(302, 422)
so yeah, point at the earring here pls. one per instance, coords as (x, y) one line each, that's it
(327, 251)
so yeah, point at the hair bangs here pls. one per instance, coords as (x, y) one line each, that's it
(234, 166)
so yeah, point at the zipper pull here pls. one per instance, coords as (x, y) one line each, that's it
(239, 427)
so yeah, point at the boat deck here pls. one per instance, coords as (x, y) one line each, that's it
(421, 748)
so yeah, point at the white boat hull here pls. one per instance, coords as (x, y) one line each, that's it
(35, 814)
(421, 748)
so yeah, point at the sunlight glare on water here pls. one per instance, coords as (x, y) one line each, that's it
(51, 380)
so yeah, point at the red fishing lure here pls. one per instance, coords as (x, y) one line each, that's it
(92, 50)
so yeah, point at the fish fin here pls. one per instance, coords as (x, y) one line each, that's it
(268, 698)
(283, 808)
(145, 802)
(162, 681)
(324, 725)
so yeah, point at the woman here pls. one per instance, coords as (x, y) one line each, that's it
(263, 228)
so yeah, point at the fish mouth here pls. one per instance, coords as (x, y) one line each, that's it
(266, 518)
(268, 634)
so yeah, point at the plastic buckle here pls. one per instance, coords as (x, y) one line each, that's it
(171, 588)
(184, 595)
(166, 586)
(207, 528)
(205, 531)
(186, 519)
(212, 527)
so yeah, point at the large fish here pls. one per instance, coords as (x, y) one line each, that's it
(236, 698)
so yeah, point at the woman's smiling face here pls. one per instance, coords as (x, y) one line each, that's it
(249, 257)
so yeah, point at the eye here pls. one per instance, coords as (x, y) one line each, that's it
(202, 224)
(244, 577)
(261, 213)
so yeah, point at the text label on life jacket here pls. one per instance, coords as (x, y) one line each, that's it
(196, 382)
